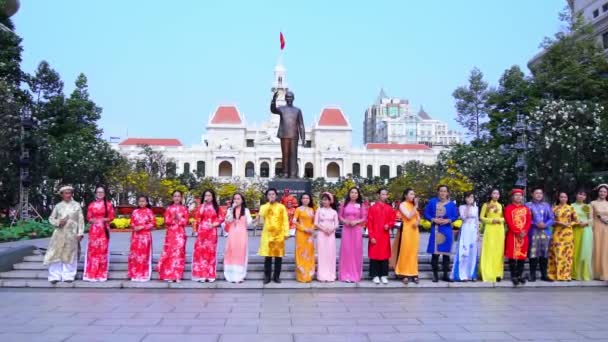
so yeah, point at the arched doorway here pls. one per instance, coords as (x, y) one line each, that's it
(225, 169)
(278, 169)
(356, 169)
(385, 172)
(249, 170)
(333, 170)
(308, 170)
(264, 170)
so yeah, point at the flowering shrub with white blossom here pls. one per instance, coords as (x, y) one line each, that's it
(570, 137)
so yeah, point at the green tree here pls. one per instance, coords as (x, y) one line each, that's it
(471, 104)
(12, 100)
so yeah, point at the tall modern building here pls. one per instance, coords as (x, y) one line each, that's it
(595, 12)
(391, 120)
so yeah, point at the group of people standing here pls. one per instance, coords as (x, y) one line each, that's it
(562, 242)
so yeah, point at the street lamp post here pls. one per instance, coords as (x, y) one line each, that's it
(9, 8)
(520, 131)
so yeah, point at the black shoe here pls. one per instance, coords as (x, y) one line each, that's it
(266, 279)
(276, 280)
(446, 278)
(446, 269)
(522, 280)
(278, 262)
(53, 282)
(435, 267)
(498, 279)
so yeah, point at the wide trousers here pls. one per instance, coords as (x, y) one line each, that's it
(378, 268)
(59, 271)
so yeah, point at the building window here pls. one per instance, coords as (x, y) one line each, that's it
(308, 170)
(308, 144)
(333, 170)
(605, 7)
(370, 171)
(385, 172)
(399, 170)
(596, 13)
(278, 169)
(249, 170)
(264, 170)
(171, 169)
(200, 168)
(225, 169)
(605, 40)
(250, 143)
(186, 168)
(356, 169)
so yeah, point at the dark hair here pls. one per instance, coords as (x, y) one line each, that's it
(243, 205)
(581, 191)
(105, 198)
(180, 193)
(538, 187)
(382, 189)
(311, 203)
(269, 190)
(443, 186)
(147, 200)
(216, 207)
(347, 197)
(490, 194)
(467, 194)
(559, 193)
(331, 205)
(405, 192)
(601, 187)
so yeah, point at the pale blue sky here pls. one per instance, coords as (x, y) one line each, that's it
(159, 68)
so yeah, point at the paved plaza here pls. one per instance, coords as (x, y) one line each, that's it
(303, 315)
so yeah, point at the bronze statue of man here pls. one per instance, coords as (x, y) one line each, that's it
(291, 128)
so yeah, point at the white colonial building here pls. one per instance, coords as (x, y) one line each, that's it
(233, 148)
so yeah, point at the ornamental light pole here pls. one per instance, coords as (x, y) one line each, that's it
(8, 8)
(520, 132)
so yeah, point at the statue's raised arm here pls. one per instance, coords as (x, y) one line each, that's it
(273, 104)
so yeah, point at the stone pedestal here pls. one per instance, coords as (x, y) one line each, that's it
(296, 186)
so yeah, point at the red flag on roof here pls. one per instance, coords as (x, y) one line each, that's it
(282, 39)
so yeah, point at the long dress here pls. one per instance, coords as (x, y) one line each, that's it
(562, 244)
(275, 231)
(62, 253)
(204, 257)
(327, 220)
(305, 244)
(407, 250)
(491, 263)
(540, 238)
(442, 237)
(351, 242)
(465, 261)
(173, 258)
(140, 255)
(236, 252)
(97, 260)
(518, 219)
(600, 240)
(583, 244)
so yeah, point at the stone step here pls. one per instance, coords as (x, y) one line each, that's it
(123, 266)
(124, 257)
(122, 275)
(286, 284)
